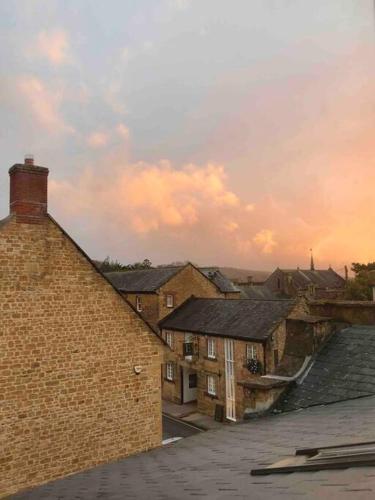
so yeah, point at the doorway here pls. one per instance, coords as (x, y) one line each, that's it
(189, 385)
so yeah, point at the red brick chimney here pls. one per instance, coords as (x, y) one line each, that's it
(28, 191)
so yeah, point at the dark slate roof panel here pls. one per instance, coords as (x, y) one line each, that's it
(144, 280)
(256, 292)
(239, 318)
(344, 369)
(224, 284)
(322, 278)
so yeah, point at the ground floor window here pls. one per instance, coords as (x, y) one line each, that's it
(211, 385)
(169, 371)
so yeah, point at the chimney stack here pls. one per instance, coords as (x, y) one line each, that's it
(28, 191)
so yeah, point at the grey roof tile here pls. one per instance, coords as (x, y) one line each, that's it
(238, 318)
(216, 464)
(344, 369)
(143, 280)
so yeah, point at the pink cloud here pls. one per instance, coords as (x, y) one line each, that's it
(44, 103)
(97, 139)
(54, 45)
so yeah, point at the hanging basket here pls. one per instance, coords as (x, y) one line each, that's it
(254, 366)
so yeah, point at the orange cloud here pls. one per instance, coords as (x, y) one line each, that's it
(265, 240)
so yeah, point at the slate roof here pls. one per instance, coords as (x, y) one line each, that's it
(256, 292)
(224, 284)
(144, 280)
(237, 318)
(215, 465)
(322, 278)
(344, 369)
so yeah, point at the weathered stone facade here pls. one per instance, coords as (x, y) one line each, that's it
(70, 397)
(204, 366)
(253, 393)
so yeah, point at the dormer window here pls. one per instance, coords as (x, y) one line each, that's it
(170, 300)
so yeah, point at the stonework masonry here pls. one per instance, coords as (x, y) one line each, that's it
(69, 395)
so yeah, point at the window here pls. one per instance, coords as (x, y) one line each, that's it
(278, 283)
(211, 348)
(138, 303)
(170, 300)
(169, 371)
(251, 352)
(169, 339)
(211, 385)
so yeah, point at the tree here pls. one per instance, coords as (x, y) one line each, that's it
(358, 288)
(109, 265)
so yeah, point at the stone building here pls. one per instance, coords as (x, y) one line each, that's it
(312, 283)
(221, 351)
(156, 292)
(79, 369)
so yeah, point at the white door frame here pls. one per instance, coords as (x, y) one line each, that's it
(230, 386)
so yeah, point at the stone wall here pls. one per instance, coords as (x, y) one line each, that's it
(189, 281)
(356, 313)
(205, 366)
(150, 306)
(70, 397)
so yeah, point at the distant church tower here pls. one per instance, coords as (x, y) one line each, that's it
(312, 266)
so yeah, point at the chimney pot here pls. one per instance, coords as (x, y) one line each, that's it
(29, 160)
(28, 191)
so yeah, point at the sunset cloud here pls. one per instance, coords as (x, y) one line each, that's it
(54, 45)
(265, 240)
(97, 139)
(44, 103)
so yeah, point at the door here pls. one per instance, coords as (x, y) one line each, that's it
(189, 385)
(230, 388)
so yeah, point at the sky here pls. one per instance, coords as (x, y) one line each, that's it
(224, 133)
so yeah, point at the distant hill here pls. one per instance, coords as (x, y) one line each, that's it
(236, 274)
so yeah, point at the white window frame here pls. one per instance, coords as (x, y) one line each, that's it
(138, 303)
(211, 385)
(169, 371)
(211, 348)
(169, 339)
(251, 352)
(170, 300)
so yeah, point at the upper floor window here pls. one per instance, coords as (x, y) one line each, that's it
(170, 300)
(169, 371)
(251, 352)
(169, 339)
(138, 303)
(211, 385)
(211, 348)
(278, 283)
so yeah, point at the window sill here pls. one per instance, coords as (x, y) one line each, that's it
(207, 358)
(211, 396)
(170, 381)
